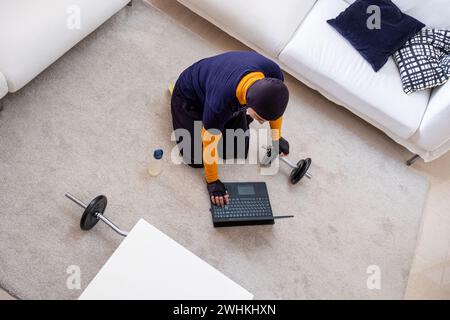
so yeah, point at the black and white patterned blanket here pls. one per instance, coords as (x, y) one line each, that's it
(424, 60)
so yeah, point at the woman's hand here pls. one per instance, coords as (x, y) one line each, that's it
(283, 146)
(218, 193)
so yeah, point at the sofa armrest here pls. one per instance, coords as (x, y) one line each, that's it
(27, 51)
(434, 130)
(3, 86)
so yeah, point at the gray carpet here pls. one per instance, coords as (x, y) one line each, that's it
(88, 125)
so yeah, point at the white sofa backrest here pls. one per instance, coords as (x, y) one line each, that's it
(264, 24)
(433, 13)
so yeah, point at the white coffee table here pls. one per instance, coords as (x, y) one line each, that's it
(150, 265)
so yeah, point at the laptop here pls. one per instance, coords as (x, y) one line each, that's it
(249, 205)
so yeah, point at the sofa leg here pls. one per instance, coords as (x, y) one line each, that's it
(130, 4)
(412, 160)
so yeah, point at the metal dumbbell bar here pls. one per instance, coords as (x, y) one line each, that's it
(294, 166)
(299, 170)
(94, 212)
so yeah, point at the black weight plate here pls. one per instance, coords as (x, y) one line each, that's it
(306, 164)
(89, 219)
(296, 173)
(302, 168)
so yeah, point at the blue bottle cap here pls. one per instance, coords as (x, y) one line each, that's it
(158, 154)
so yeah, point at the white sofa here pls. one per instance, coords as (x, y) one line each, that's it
(35, 33)
(296, 34)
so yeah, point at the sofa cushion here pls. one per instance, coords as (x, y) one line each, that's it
(434, 13)
(424, 60)
(376, 45)
(33, 34)
(434, 130)
(3, 86)
(265, 24)
(331, 64)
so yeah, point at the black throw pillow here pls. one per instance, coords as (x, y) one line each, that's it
(376, 42)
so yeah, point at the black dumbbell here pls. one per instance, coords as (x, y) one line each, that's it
(94, 212)
(298, 171)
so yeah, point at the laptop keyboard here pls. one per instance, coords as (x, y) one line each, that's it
(244, 208)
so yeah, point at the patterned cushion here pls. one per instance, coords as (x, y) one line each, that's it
(424, 60)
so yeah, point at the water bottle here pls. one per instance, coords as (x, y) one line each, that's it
(155, 166)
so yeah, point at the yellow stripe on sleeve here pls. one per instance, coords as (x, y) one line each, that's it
(210, 155)
(275, 125)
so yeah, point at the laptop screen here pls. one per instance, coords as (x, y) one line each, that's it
(246, 190)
